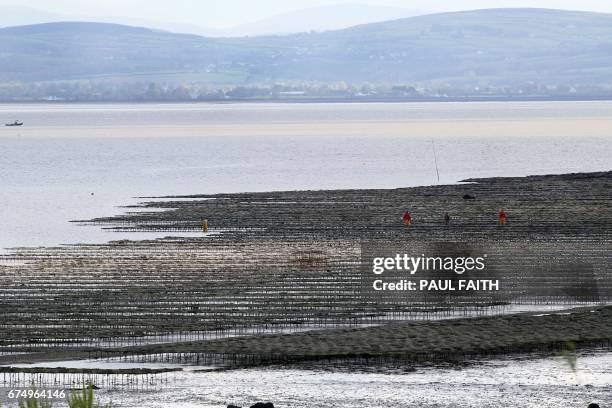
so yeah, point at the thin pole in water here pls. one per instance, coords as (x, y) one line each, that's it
(433, 145)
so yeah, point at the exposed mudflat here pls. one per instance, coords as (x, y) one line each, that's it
(289, 260)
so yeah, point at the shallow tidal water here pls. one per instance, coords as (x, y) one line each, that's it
(75, 162)
(509, 382)
(523, 381)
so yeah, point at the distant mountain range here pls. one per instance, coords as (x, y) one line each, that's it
(333, 17)
(325, 18)
(482, 47)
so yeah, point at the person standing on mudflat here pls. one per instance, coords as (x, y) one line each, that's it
(407, 218)
(502, 216)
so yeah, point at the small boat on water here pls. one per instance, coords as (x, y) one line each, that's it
(15, 123)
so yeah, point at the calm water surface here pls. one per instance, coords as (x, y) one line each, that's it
(80, 161)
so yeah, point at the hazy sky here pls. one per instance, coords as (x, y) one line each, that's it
(224, 13)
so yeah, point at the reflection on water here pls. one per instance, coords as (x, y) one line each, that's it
(505, 383)
(510, 382)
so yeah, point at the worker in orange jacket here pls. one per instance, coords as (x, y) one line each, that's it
(502, 216)
(407, 218)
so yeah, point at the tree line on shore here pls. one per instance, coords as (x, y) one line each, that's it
(97, 90)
